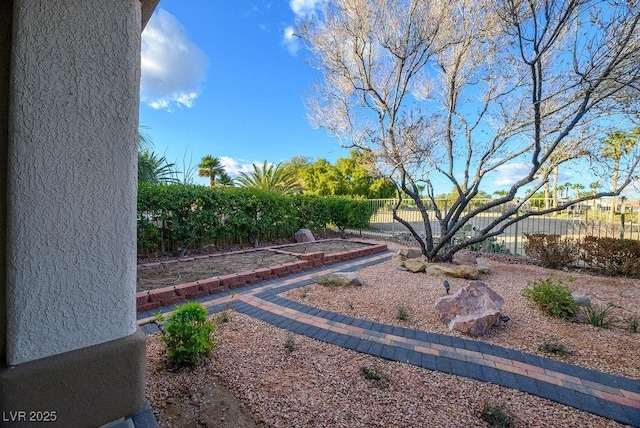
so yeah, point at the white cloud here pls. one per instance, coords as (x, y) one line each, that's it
(291, 41)
(510, 173)
(303, 7)
(173, 67)
(234, 167)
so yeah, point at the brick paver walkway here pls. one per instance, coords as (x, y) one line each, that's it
(614, 397)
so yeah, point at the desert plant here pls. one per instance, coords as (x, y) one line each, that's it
(402, 313)
(332, 281)
(496, 416)
(631, 324)
(372, 373)
(553, 346)
(598, 316)
(290, 343)
(187, 333)
(303, 292)
(350, 305)
(552, 297)
(551, 251)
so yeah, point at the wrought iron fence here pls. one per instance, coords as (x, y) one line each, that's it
(590, 218)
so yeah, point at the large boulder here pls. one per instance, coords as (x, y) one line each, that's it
(473, 309)
(414, 265)
(304, 235)
(460, 271)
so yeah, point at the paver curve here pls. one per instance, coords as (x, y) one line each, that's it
(610, 396)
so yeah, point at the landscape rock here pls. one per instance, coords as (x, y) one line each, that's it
(410, 253)
(414, 265)
(347, 278)
(482, 268)
(461, 271)
(304, 235)
(398, 259)
(581, 299)
(465, 258)
(473, 309)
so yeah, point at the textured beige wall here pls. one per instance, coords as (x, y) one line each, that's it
(72, 153)
(5, 56)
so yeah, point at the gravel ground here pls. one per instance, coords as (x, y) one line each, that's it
(320, 385)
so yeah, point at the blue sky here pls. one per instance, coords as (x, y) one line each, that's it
(227, 79)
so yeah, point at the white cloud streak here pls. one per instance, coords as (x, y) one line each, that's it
(304, 7)
(173, 67)
(234, 167)
(510, 173)
(291, 41)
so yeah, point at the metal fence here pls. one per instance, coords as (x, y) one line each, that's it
(591, 218)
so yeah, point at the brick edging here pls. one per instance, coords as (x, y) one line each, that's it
(154, 299)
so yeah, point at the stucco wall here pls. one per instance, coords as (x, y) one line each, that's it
(72, 153)
(5, 56)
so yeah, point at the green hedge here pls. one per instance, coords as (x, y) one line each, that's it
(174, 218)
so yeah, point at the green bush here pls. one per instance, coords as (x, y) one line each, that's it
(614, 257)
(188, 334)
(312, 211)
(551, 250)
(552, 297)
(348, 213)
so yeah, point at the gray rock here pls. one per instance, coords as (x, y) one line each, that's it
(482, 268)
(581, 299)
(304, 235)
(473, 309)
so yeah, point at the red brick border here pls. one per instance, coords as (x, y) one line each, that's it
(153, 299)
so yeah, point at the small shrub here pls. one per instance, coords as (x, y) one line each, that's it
(223, 316)
(613, 257)
(552, 251)
(332, 281)
(496, 416)
(598, 316)
(303, 292)
(188, 334)
(372, 373)
(290, 343)
(553, 346)
(552, 297)
(402, 313)
(631, 324)
(350, 305)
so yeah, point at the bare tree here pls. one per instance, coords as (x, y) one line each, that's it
(444, 92)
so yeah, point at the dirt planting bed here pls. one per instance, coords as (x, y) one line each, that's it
(179, 271)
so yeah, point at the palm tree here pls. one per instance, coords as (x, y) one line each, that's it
(225, 180)
(615, 146)
(155, 169)
(210, 167)
(270, 177)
